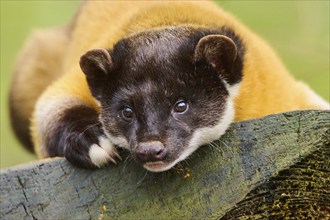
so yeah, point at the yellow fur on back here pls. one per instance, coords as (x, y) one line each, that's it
(106, 22)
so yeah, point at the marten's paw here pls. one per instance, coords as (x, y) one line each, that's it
(79, 137)
(90, 149)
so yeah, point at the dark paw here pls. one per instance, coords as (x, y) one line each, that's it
(79, 137)
(90, 149)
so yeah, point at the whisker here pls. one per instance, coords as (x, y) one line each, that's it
(106, 108)
(213, 146)
(224, 143)
(127, 160)
(138, 183)
(178, 166)
(88, 127)
(237, 106)
(186, 162)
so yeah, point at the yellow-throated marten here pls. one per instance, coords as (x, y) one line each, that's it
(157, 78)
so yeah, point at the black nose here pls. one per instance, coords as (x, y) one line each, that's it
(150, 151)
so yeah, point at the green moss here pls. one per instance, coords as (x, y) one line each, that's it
(301, 191)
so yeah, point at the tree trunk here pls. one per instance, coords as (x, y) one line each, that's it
(277, 166)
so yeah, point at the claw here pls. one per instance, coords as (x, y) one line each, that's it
(112, 160)
(117, 155)
(109, 148)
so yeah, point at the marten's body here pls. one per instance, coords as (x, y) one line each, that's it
(169, 78)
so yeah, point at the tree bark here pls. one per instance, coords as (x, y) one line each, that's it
(276, 166)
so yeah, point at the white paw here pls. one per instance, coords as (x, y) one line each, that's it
(103, 153)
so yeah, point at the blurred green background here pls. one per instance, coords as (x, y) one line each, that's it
(297, 30)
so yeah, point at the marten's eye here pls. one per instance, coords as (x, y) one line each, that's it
(181, 107)
(127, 113)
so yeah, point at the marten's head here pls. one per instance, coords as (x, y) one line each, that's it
(163, 93)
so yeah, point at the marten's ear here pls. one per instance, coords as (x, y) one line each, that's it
(221, 53)
(96, 63)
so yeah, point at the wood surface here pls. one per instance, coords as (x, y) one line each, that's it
(277, 166)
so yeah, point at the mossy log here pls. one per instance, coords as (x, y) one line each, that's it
(276, 166)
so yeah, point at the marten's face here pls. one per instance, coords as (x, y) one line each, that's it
(163, 118)
(160, 99)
